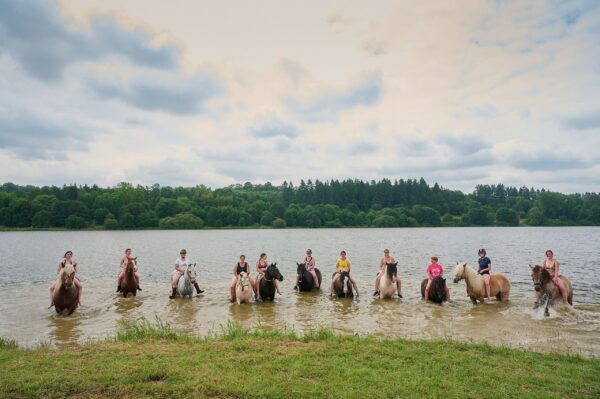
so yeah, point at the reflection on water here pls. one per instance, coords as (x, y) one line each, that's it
(24, 317)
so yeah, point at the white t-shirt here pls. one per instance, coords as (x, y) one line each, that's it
(183, 263)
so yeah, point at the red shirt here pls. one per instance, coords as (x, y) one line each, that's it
(435, 270)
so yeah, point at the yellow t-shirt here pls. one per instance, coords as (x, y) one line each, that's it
(343, 265)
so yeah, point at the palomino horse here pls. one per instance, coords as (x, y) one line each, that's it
(129, 283)
(306, 281)
(65, 291)
(341, 283)
(499, 285)
(267, 285)
(544, 284)
(243, 290)
(437, 290)
(387, 284)
(185, 285)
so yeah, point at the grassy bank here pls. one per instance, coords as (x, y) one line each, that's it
(147, 360)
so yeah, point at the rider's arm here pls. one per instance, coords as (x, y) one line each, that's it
(487, 269)
(556, 268)
(258, 268)
(59, 267)
(235, 270)
(180, 270)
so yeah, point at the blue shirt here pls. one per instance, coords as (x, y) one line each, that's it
(484, 263)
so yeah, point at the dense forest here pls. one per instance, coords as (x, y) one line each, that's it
(355, 203)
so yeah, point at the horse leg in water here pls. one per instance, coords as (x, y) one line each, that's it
(548, 301)
(336, 277)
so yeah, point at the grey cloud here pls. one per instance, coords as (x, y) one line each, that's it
(328, 106)
(586, 121)
(182, 97)
(362, 147)
(546, 161)
(463, 144)
(168, 171)
(31, 136)
(44, 43)
(274, 127)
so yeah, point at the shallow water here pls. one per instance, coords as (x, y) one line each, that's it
(23, 300)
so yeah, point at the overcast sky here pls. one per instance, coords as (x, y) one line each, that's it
(222, 92)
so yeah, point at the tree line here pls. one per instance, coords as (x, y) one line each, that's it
(333, 203)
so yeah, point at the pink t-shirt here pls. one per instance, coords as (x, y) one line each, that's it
(435, 270)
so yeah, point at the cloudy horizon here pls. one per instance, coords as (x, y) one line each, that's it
(474, 92)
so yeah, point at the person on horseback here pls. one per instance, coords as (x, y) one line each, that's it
(387, 258)
(552, 265)
(310, 263)
(485, 265)
(241, 266)
(434, 270)
(181, 264)
(67, 260)
(123, 265)
(342, 266)
(261, 267)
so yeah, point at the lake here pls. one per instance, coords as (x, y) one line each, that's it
(29, 261)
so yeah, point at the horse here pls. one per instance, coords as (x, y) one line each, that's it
(499, 285)
(267, 285)
(343, 281)
(65, 291)
(437, 290)
(544, 284)
(306, 281)
(243, 290)
(185, 286)
(387, 285)
(129, 283)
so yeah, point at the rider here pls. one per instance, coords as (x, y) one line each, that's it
(485, 265)
(310, 263)
(181, 264)
(67, 260)
(342, 266)
(387, 258)
(553, 265)
(434, 270)
(241, 266)
(123, 265)
(261, 267)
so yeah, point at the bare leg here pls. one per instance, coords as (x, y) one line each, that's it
(296, 281)
(447, 293)
(258, 287)
(562, 288)
(277, 286)
(232, 289)
(486, 279)
(354, 285)
(79, 290)
(52, 295)
(399, 286)
(427, 289)
(314, 274)
(333, 281)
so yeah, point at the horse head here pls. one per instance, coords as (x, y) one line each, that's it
(540, 276)
(391, 269)
(191, 271)
(68, 276)
(131, 266)
(243, 281)
(460, 271)
(273, 272)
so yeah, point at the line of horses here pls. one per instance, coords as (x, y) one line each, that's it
(65, 294)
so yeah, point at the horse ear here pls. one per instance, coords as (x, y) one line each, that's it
(456, 263)
(531, 266)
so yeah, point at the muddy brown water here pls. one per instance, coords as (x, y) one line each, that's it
(29, 261)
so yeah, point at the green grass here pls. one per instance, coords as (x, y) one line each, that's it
(149, 360)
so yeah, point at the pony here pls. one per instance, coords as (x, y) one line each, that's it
(129, 283)
(306, 281)
(243, 291)
(387, 284)
(65, 291)
(343, 281)
(267, 286)
(185, 286)
(437, 290)
(499, 285)
(544, 284)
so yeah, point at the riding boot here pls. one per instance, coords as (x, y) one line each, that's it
(198, 290)
(174, 294)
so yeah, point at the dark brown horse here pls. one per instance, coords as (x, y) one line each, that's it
(129, 283)
(65, 291)
(544, 285)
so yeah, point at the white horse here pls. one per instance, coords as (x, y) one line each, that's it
(185, 285)
(243, 290)
(387, 284)
(499, 285)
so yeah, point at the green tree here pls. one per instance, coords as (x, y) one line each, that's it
(535, 217)
(507, 217)
(479, 217)
(278, 223)
(42, 219)
(75, 222)
(100, 215)
(183, 221)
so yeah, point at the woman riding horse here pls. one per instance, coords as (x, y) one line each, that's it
(552, 265)
(485, 265)
(181, 264)
(342, 266)
(239, 267)
(123, 265)
(387, 259)
(310, 264)
(434, 270)
(67, 260)
(261, 266)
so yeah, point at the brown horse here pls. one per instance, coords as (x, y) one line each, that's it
(544, 284)
(129, 283)
(499, 285)
(65, 291)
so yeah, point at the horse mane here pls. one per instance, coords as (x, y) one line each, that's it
(389, 269)
(472, 278)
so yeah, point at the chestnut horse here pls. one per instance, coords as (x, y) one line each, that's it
(544, 284)
(129, 283)
(499, 285)
(65, 291)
